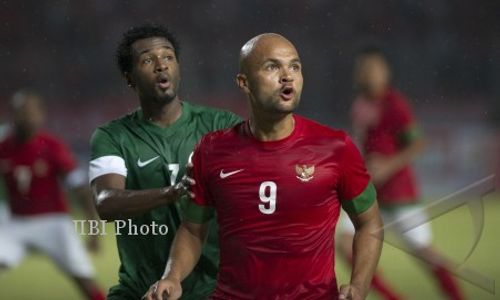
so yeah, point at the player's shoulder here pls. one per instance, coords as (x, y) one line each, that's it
(216, 118)
(222, 138)
(316, 130)
(49, 138)
(120, 122)
(396, 97)
(115, 127)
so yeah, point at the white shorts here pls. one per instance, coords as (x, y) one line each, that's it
(415, 238)
(51, 234)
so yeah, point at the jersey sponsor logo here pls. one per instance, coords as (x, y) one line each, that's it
(141, 164)
(304, 172)
(225, 175)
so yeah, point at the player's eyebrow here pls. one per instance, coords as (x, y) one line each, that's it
(273, 60)
(149, 50)
(278, 61)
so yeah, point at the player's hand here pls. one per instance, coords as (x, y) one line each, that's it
(164, 289)
(350, 292)
(380, 168)
(182, 187)
(189, 179)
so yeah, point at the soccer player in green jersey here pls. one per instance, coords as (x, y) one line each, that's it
(137, 162)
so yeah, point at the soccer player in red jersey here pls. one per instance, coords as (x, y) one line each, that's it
(384, 125)
(32, 163)
(276, 182)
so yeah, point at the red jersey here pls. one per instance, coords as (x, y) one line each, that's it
(277, 206)
(32, 171)
(384, 125)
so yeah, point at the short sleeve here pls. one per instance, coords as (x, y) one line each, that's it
(105, 156)
(356, 192)
(407, 128)
(63, 158)
(199, 209)
(102, 144)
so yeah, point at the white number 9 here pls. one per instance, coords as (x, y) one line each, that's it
(267, 194)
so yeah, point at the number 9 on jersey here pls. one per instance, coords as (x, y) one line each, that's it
(267, 195)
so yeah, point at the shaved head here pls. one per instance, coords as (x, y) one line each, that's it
(270, 75)
(255, 47)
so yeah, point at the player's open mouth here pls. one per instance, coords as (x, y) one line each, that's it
(287, 93)
(163, 82)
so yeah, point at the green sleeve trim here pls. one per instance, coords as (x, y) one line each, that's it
(195, 213)
(362, 202)
(410, 134)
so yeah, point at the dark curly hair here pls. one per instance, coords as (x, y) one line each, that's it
(123, 54)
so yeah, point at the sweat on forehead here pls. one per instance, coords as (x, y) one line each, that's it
(257, 43)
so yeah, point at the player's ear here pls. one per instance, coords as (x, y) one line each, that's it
(128, 78)
(242, 82)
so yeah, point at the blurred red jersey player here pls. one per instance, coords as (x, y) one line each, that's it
(385, 127)
(32, 163)
(276, 182)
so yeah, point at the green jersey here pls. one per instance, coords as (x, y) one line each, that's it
(153, 157)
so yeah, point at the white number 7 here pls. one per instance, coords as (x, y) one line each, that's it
(174, 169)
(267, 194)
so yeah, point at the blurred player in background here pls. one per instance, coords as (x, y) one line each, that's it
(4, 209)
(138, 160)
(385, 128)
(32, 163)
(277, 182)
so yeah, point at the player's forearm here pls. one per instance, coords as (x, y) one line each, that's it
(408, 154)
(185, 252)
(367, 246)
(115, 204)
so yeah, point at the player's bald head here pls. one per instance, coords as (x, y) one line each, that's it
(258, 47)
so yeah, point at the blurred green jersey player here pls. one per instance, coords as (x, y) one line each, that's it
(138, 160)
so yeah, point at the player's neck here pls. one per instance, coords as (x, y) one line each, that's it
(271, 129)
(23, 135)
(377, 94)
(162, 114)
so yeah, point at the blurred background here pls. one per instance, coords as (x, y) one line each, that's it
(445, 56)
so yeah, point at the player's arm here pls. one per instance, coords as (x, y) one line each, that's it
(114, 202)
(382, 167)
(107, 173)
(358, 198)
(367, 246)
(411, 143)
(189, 238)
(185, 253)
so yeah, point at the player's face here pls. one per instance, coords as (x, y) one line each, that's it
(29, 116)
(155, 70)
(274, 77)
(371, 74)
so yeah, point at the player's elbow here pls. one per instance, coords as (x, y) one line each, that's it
(419, 145)
(103, 204)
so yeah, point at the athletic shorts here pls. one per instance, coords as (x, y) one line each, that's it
(51, 234)
(415, 238)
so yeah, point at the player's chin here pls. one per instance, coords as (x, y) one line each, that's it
(288, 106)
(165, 96)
